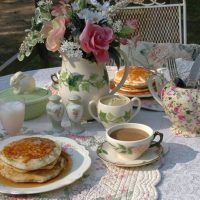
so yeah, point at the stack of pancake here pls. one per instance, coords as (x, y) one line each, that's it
(32, 159)
(136, 82)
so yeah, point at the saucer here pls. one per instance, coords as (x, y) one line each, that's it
(106, 152)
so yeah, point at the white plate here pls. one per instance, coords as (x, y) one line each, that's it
(106, 152)
(80, 163)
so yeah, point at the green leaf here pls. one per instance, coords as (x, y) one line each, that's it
(127, 115)
(122, 146)
(99, 84)
(126, 30)
(115, 43)
(74, 81)
(109, 116)
(104, 151)
(129, 150)
(93, 77)
(83, 4)
(114, 54)
(85, 86)
(102, 116)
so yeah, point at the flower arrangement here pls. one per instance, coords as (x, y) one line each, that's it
(78, 28)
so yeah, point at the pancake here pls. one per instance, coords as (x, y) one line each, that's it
(132, 89)
(137, 77)
(130, 94)
(36, 176)
(30, 153)
(49, 166)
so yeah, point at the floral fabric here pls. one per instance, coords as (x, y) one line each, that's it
(153, 55)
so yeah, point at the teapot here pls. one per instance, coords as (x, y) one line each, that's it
(182, 106)
(87, 79)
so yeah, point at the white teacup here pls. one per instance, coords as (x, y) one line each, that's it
(114, 109)
(131, 140)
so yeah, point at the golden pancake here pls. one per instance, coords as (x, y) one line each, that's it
(38, 176)
(49, 166)
(129, 94)
(137, 77)
(132, 89)
(30, 153)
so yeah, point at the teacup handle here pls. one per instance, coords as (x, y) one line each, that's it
(151, 87)
(90, 105)
(156, 143)
(54, 78)
(138, 107)
(125, 75)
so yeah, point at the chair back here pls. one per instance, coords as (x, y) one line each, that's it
(158, 22)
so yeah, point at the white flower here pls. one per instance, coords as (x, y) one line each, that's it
(75, 6)
(45, 2)
(100, 7)
(89, 15)
(117, 26)
(71, 49)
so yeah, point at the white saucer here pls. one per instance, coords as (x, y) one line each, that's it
(106, 152)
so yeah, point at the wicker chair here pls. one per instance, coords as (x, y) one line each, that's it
(159, 22)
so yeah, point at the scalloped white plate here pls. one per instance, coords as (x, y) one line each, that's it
(81, 161)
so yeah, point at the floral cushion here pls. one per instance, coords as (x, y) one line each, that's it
(153, 55)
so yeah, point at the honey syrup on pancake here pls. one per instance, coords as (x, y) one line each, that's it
(64, 172)
(29, 148)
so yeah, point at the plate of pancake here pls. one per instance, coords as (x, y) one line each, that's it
(136, 83)
(40, 163)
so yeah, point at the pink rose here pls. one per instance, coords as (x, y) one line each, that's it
(177, 109)
(181, 117)
(96, 39)
(54, 32)
(133, 24)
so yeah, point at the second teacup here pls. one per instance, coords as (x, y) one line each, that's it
(131, 140)
(114, 109)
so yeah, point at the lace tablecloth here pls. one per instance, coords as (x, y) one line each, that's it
(179, 173)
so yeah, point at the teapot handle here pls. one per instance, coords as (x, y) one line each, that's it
(154, 79)
(124, 75)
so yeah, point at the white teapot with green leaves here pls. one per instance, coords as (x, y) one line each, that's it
(87, 79)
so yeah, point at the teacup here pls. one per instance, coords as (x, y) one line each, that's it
(114, 109)
(131, 140)
(182, 105)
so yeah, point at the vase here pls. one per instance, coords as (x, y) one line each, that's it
(87, 79)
